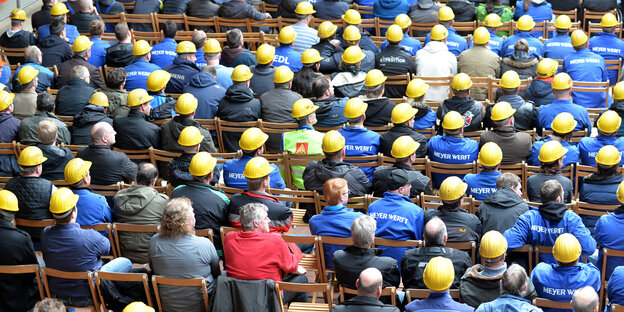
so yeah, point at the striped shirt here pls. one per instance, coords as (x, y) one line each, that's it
(306, 37)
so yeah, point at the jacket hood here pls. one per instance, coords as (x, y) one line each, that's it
(423, 109)
(229, 55)
(514, 100)
(389, 4)
(375, 105)
(119, 53)
(135, 198)
(56, 155)
(459, 104)
(594, 178)
(504, 198)
(486, 283)
(553, 211)
(617, 105)
(325, 105)
(520, 59)
(90, 114)
(435, 47)
(182, 61)
(264, 69)
(178, 124)
(541, 88)
(203, 80)
(52, 41)
(239, 93)
(330, 169)
(5, 117)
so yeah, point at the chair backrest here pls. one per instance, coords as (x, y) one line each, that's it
(311, 261)
(191, 23)
(433, 201)
(587, 209)
(567, 172)
(386, 291)
(208, 124)
(362, 9)
(594, 15)
(207, 233)
(123, 277)
(572, 14)
(149, 36)
(410, 243)
(133, 228)
(223, 232)
(617, 307)
(324, 288)
(106, 190)
(229, 191)
(550, 27)
(25, 269)
(360, 203)
(228, 23)
(298, 160)
(470, 247)
(539, 26)
(615, 64)
(597, 86)
(413, 293)
(452, 169)
(528, 249)
(12, 52)
(47, 272)
(232, 126)
(108, 228)
(323, 239)
(545, 303)
(495, 85)
(35, 223)
(179, 282)
(138, 155)
(160, 19)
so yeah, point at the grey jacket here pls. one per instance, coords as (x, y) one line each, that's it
(170, 132)
(28, 129)
(476, 289)
(245, 295)
(276, 106)
(516, 145)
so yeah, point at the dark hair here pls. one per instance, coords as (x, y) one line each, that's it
(550, 168)
(550, 190)
(319, 86)
(234, 37)
(45, 102)
(115, 78)
(170, 29)
(146, 174)
(490, 5)
(96, 28)
(527, 5)
(121, 31)
(57, 27)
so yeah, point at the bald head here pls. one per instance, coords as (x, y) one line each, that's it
(369, 283)
(32, 53)
(585, 299)
(435, 232)
(101, 133)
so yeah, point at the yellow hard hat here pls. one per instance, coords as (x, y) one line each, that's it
(551, 151)
(333, 141)
(567, 248)
(352, 17)
(63, 200)
(99, 99)
(481, 35)
(609, 122)
(303, 107)
(510, 80)
(18, 14)
(76, 169)
(138, 97)
(562, 81)
(439, 33)
(257, 167)
(138, 306)
(490, 154)
(186, 47)
(608, 155)
(492, 20)
(502, 111)
(158, 80)
(563, 123)
(351, 33)
(394, 33)
(493, 245)
(82, 43)
(461, 82)
(620, 192)
(59, 9)
(287, 35)
(241, 73)
(27, 74)
(265, 53)
(608, 20)
(353, 55)
(525, 23)
(326, 29)
(446, 14)
(416, 88)
(452, 188)
(403, 147)
(202, 164)
(374, 77)
(618, 91)
(547, 67)
(403, 20)
(212, 46)
(402, 113)
(252, 139)
(186, 104)
(439, 274)
(190, 136)
(311, 56)
(8, 201)
(579, 37)
(283, 74)
(355, 108)
(563, 22)
(304, 8)
(452, 121)
(31, 156)
(6, 99)
(141, 47)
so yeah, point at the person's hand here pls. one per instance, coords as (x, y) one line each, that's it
(335, 42)
(268, 15)
(300, 270)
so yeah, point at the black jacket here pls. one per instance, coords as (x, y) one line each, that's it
(540, 92)
(461, 225)
(175, 6)
(109, 167)
(387, 138)
(414, 261)
(351, 261)
(317, 172)
(65, 70)
(73, 97)
(233, 294)
(500, 210)
(55, 50)
(599, 6)
(238, 9)
(182, 71)
(422, 184)
(119, 55)
(58, 158)
(364, 304)
(238, 104)
(287, 8)
(469, 108)
(464, 10)
(145, 7)
(41, 17)
(135, 132)
(327, 50)
(82, 20)
(394, 61)
(280, 215)
(378, 112)
(525, 117)
(84, 121)
(17, 292)
(33, 195)
(170, 132)
(20, 39)
(178, 174)
(476, 289)
(209, 204)
(203, 9)
(262, 79)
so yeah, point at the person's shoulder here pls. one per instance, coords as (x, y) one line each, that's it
(542, 268)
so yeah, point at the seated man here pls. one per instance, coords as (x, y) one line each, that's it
(183, 67)
(396, 58)
(67, 240)
(95, 111)
(82, 52)
(185, 107)
(562, 127)
(256, 254)
(483, 183)
(332, 166)
(9, 127)
(58, 13)
(164, 52)
(178, 168)
(359, 141)
(258, 174)
(140, 68)
(380, 108)
(16, 36)
(516, 145)
(209, 204)
(438, 276)
(139, 204)
(135, 131)
(403, 119)
(615, 288)
(525, 113)
(27, 133)
(470, 110)
(500, 210)
(551, 156)
(45, 77)
(24, 101)
(608, 235)
(75, 95)
(93, 208)
(543, 225)
(57, 157)
(608, 125)
(369, 285)
(415, 260)
(121, 53)
(331, 108)
(115, 92)
(481, 283)
(163, 105)
(514, 287)
(562, 88)
(284, 53)
(558, 281)
(276, 104)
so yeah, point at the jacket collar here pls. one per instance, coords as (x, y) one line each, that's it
(396, 197)
(260, 195)
(305, 127)
(357, 251)
(335, 209)
(364, 301)
(107, 147)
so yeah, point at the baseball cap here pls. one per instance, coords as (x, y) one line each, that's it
(400, 177)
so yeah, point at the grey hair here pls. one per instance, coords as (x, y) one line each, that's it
(79, 72)
(252, 212)
(513, 281)
(362, 231)
(507, 180)
(435, 231)
(32, 53)
(585, 299)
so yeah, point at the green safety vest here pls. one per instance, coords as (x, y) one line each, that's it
(302, 142)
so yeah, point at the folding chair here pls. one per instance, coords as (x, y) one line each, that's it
(297, 163)
(232, 127)
(312, 261)
(160, 19)
(517, 169)
(539, 26)
(148, 19)
(192, 23)
(106, 190)
(449, 169)
(437, 82)
(58, 274)
(572, 14)
(180, 282)
(325, 288)
(399, 82)
(362, 9)
(545, 303)
(567, 172)
(593, 15)
(617, 307)
(25, 269)
(108, 228)
(133, 228)
(495, 86)
(594, 28)
(386, 291)
(414, 293)
(615, 64)
(123, 277)
(598, 87)
(297, 198)
(226, 24)
(74, 148)
(151, 37)
(469, 247)
(224, 230)
(137, 156)
(12, 52)
(324, 239)
(207, 233)
(359, 203)
(381, 129)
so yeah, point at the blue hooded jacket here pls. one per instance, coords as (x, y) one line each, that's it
(46, 78)
(389, 9)
(481, 184)
(451, 150)
(208, 93)
(589, 147)
(585, 65)
(540, 92)
(610, 47)
(558, 47)
(608, 234)
(361, 142)
(541, 12)
(571, 155)
(333, 221)
(559, 283)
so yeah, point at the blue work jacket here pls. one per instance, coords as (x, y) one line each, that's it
(481, 184)
(137, 74)
(615, 288)
(333, 221)
(46, 78)
(427, 121)
(536, 47)
(571, 155)
(233, 174)
(98, 52)
(451, 150)
(164, 52)
(610, 47)
(71, 32)
(584, 65)
(557, 283)
(361, 142)
(286, 55)
(558, 47)
(608, 234)
(589, 147)
(456, 44)
(92, 208)
(547, 113)
(408, 44)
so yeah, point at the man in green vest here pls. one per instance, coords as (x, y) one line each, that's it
(305, 140)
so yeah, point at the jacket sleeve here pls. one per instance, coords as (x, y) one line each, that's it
(518, 235)
(129, 169)
(255, 14)
(287, 260)
(393, 276)
(361, 186)
(64, 135)
(96, 80)
(588, 244)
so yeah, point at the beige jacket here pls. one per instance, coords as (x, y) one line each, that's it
(25, 104)
(479, 61)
